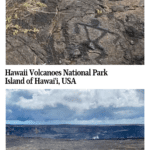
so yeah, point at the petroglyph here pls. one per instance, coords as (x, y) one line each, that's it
(75, 32)
(93, 44)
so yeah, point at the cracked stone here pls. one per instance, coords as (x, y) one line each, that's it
(66, 31)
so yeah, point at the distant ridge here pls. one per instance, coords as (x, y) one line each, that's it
(77, 132)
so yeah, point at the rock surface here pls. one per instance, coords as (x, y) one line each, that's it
(75, 32)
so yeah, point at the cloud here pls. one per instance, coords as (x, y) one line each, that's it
(94, 121)
(82, 105)
(80, 100)
(9, 111)
(10, 92)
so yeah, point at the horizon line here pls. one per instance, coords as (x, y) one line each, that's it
(78, 124)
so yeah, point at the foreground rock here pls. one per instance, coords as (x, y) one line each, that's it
(75, 32)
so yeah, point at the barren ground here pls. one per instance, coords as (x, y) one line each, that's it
(20, 143)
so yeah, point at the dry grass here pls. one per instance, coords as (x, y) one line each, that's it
(20, 11)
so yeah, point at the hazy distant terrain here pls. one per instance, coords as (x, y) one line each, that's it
(74, 32)
(77, 132)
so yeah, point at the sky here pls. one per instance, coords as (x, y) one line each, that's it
(69, 106)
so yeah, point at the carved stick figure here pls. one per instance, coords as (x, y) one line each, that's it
(93, 44)
(95, 25)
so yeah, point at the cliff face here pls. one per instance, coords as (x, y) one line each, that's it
(77, 132)
(74, 32)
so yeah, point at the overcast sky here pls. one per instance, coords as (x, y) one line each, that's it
(91, 107)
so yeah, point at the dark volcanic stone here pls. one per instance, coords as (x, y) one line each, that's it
(49, 34)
